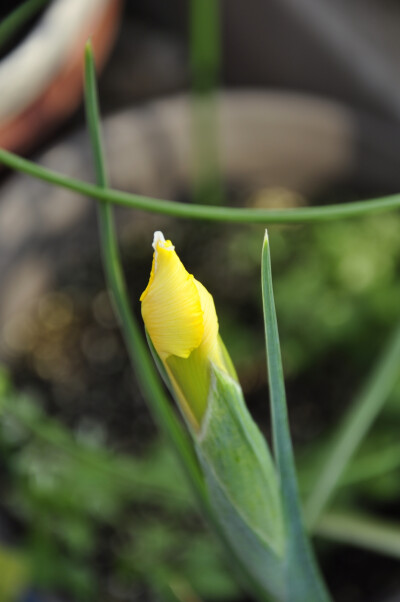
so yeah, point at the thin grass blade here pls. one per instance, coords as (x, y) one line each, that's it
(304, 581)
(382, 537)
(354, 428)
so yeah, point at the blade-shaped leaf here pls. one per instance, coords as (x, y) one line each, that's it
(303, 579)
(353, 428)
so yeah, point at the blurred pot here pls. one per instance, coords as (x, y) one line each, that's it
(41, 79)
(348, 51)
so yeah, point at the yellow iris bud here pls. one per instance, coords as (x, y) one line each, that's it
(181, 321)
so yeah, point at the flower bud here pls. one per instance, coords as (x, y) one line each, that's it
(181, 321)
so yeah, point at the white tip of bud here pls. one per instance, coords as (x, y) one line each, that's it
(158, 237)
(159, 241)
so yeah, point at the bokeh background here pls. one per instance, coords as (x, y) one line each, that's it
(93, 505)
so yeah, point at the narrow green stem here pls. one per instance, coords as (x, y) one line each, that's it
(146, 375)
(300, 215)
(304, 582)
(374, 465)
(205, 46)
(353, 529)
(205, 67)
(353, 428)
(15, 20)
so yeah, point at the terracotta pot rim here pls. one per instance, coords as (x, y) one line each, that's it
(45, 48)
(47, 86)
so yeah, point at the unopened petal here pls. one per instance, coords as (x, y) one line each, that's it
(210, 319)
(171, 306)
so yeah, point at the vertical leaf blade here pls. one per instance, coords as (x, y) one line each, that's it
(304, 582)
(353, 429)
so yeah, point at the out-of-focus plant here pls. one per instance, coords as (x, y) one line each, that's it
(18, 17)
(281, 567)
(350, 267)
(73, 495)
(14, 573)
(205, 58)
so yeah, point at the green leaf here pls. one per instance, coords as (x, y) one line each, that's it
(242, 483)
(353, 428)
(372, 534)
(303, 580)
(231, 446)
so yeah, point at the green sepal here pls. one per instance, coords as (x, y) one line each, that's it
(242, 482)
(236, 478)
(230, 368)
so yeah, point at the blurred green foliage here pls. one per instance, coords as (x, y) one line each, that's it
(94, 522)
(337, 291)
(14, 574)
(336, 286)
